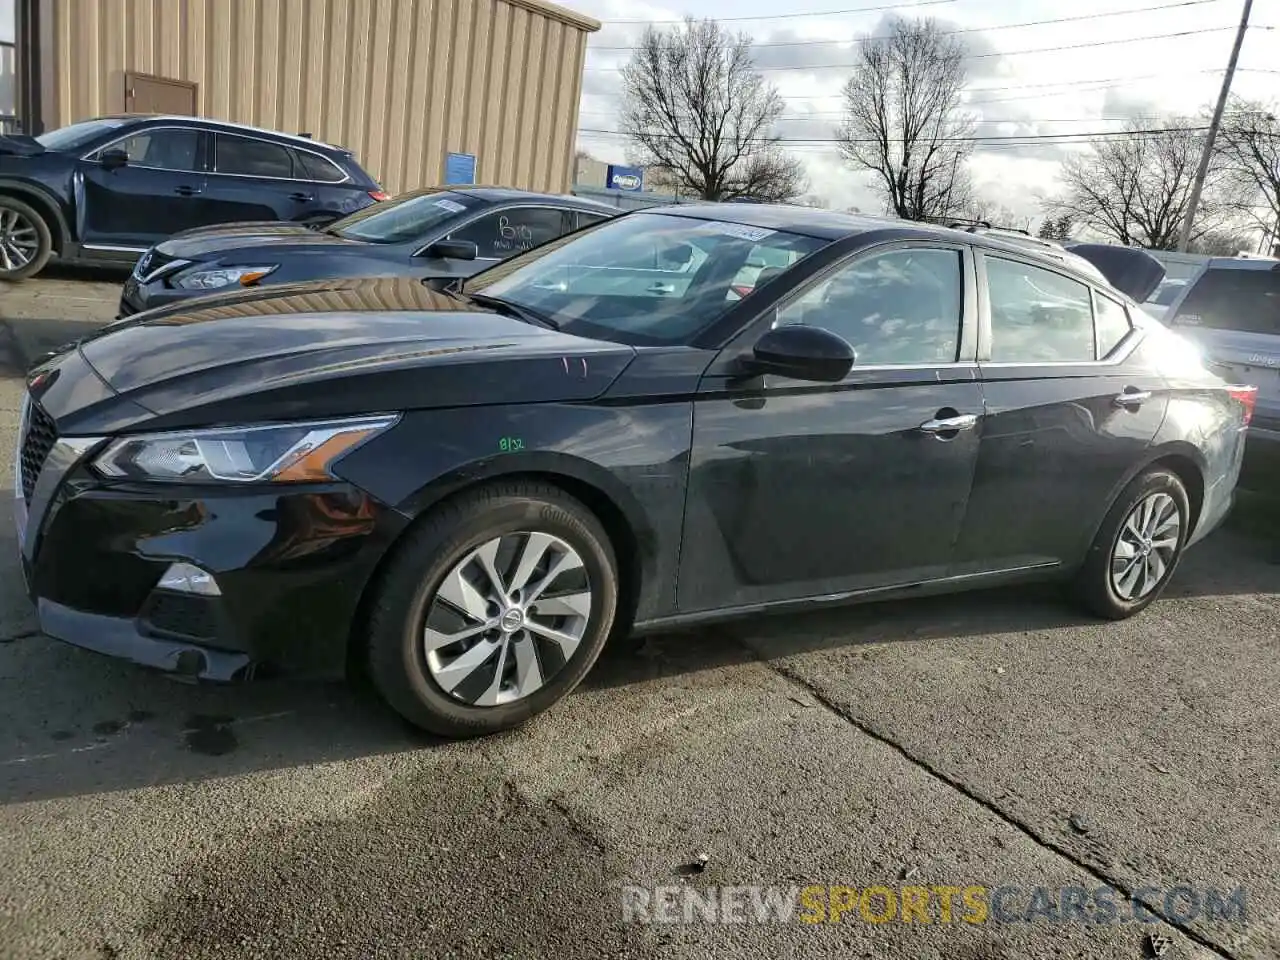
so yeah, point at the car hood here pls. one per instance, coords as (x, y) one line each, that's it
(206, 242)
(334, 348)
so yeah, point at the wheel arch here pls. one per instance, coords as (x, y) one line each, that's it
(622, 517)
(44, 204)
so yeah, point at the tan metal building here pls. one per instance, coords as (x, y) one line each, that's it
(403, 83)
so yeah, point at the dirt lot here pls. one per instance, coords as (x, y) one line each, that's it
(996, 739)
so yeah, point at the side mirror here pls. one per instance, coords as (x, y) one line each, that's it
(113, 159)
(802, 353)
(452, 250)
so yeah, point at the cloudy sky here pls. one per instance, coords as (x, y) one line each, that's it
(1122, 65)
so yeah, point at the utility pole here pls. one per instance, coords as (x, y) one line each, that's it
(1198, 184)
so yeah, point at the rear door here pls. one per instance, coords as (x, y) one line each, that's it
(1069, 410)
(256, 179)
(154, 195)
(1234, 314)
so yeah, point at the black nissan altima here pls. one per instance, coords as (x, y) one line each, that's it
(467, 488)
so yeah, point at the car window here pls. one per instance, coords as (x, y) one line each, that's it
(901, 306)
(251, 158)
(310, 166)
(407, 217)
(641, 278)
(1111, 321)
(587, 219)
(161, 149)
(507, 232)
(1245, 301)
(1037, 316)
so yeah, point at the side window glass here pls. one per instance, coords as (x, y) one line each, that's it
(1111, 321)
(162, 149)
(902, 306)
(252, 158)
(1037, 316)
(311, 167)
(587, 219)
(508, 232)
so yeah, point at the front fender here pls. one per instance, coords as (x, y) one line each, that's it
(634, 457)
(43, 200)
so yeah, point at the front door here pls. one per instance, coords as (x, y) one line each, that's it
(1069, 413)
(808, 490)
(154, 195)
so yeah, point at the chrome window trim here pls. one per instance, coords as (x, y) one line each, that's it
(88, 157)
(110, 248)
(213, 158)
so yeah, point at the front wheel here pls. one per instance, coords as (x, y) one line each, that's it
(25, 241)
(1138, 546)
(492, 610)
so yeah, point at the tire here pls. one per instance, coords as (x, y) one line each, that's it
(1136, 581)
(444, 692)
(25, 241)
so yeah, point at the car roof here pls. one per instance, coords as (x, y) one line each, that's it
(502, 194)
(230, 127)
(831, 226)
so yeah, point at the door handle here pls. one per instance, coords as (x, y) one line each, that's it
(965, 421)
(185, 191)
(302, 197)
(1132, 398)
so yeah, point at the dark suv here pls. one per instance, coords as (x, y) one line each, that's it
(1231, 308)
(106, 190)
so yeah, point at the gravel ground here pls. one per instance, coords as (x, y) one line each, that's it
(994, 739)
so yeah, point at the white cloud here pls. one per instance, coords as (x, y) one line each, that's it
(1059, 91)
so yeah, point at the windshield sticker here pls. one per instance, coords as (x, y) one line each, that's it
(739, 230)
(453, 206)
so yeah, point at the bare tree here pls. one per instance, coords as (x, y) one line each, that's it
(1250, 146)
(1135, 188)
(903, 119)
(699, 114)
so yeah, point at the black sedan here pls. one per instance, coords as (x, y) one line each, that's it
(105, 190)
(446, 233)
(467, 488)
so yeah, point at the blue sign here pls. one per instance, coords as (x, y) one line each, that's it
(624, 178)
(459, 168)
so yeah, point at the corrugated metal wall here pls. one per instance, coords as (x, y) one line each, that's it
(400, 82)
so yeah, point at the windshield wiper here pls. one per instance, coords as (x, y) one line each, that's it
(519, 311)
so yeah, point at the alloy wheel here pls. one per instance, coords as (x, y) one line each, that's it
(507, 618)
(19, 241)
(1146, 546)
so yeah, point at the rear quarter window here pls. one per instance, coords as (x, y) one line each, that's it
(1244, 301)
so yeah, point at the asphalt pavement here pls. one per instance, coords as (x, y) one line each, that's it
(995, 740)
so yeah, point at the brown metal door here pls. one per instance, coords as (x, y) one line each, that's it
(144, 93)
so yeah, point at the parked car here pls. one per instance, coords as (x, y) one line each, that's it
(452, 232)
(468, 487)
(105, 190)
(1231, 308)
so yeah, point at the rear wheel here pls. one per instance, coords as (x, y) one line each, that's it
(25, 241)
(1138, 546)
(493, 610)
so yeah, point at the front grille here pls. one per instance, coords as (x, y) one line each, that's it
(151, 262)
(36, 443)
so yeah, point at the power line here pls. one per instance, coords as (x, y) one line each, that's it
(1030, 138)
(792, 16)
(1001, 26)
(986, 56)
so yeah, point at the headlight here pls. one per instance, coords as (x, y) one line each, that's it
(215, 277)
(284, 453)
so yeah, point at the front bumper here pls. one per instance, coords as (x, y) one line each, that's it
(289, 564)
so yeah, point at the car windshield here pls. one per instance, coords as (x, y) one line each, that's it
(404, 218)
(644, 278)
(78, 134)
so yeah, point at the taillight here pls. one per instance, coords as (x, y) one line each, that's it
(379, 195)
(741, 289)
(1248, 398)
